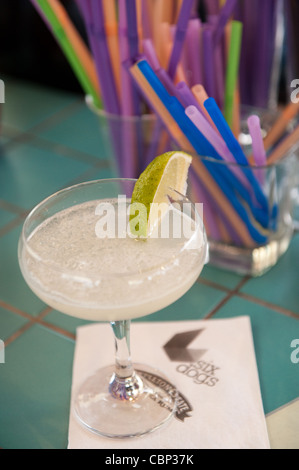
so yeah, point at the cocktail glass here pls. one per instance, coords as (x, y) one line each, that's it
(77, 253)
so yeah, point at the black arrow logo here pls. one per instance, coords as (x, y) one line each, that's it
(177, 347)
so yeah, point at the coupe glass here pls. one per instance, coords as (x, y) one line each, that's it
(77, 253)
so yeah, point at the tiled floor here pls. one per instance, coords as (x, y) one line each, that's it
(50, 140)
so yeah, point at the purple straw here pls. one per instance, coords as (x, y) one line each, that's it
(258, 148)
(150, 53)
(94, 21)
(129, 26)
(226, 11)
(205, 199)
(186, 97)
(179, 38)
(126, 79)
(132, 28)
(264, 52)
(208, 54)
(216, 141)
(193, 51)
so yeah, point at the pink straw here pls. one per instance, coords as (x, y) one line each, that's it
(216, 140)
(258, 149)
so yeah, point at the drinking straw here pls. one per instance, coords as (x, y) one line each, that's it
(212, 7)
(247, 15)
(111, 28)
(160, 138)
(77, 42)
(179, 38)
(180, 72)
(179, 136)
(226, 12)
(278, 48)
(235, 149)
(209, 215)
(41, 13)
(156, 104)
(150, 55)
(223, 202)
(214, 138)
(132, 28)
(60, 35)
(208, 55)
(254, 126)
(139, 4)
(258, 148)
(237, 179)
(289, 112)
(263, 53)
(94, 21)
(176, 109)
(127, 108)
(186, 97)
(203, 147)
(146, 18)
(157, 22)
(236, 126)
(219, 69)
(201, 96)
(193, 50)
(132, 35)
(284, 147)
(232, 70)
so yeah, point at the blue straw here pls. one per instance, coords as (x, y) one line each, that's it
(235, 148)
(202, 147)
(199, 141)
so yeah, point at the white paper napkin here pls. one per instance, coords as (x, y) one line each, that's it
(214, 368)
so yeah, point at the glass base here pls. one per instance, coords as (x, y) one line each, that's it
(124, 415)
(251, 261)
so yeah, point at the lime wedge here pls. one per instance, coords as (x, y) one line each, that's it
(150, 200)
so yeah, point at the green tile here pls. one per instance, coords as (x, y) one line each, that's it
(272, 335)
(26, 104)
(29, 174)
(5, 217)
(227, 279)
(102, 173)
(81, 132)
(194, 305)
(35, 391)
(13, 289)
(65, 322)
(279, 285)
(9, 323)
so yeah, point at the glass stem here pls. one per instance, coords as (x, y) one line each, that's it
(123, 363)
(125, 384)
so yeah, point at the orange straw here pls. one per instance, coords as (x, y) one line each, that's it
(111, 28)
(280, 124)
(204, 175)
(284, 147)
(222, 201)
(201, 96)
(77, 42)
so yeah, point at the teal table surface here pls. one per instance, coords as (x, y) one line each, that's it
(50, 140)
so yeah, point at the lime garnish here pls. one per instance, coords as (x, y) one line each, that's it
(165, 175)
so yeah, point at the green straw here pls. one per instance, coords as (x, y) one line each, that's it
(232, 70)
(69, 52)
